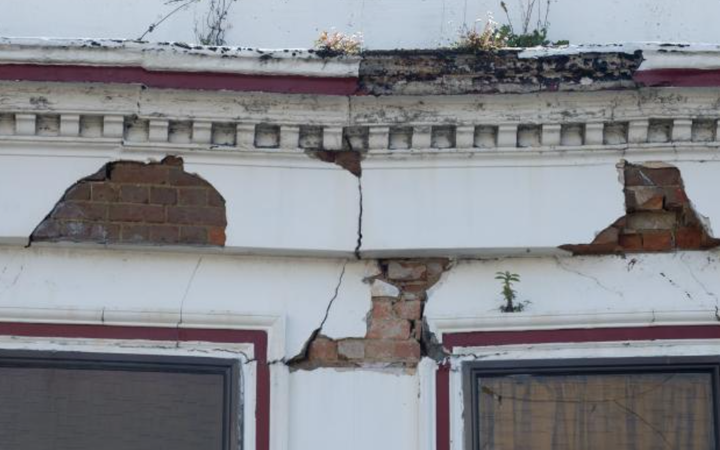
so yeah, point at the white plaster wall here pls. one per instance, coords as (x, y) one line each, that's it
(353, 410)
(157, 288)
(271, 208)
(574, 292)
(385, 23)
(285, 209)
(470, 210)
(702, 186)
(30, 187)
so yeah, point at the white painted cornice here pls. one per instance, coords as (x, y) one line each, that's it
(174, 57)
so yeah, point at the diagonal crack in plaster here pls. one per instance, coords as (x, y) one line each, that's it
(589, 277)
(187, 291)
(360, 220)
(303, 355)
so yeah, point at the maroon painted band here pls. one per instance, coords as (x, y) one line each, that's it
(212, 81)
(678, 77)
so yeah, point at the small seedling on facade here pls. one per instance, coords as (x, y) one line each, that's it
(509, 294)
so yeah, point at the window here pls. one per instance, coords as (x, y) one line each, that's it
(620, 404)
(68, 401)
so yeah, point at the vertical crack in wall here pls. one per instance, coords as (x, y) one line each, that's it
(304, 353)
(187, 291)
(397, 335)
(360, 219)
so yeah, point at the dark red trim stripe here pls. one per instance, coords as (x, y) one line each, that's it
(257, 338)
(678, 77)
(213, 81)
(486, 338)
(442, 396)
(483, 338)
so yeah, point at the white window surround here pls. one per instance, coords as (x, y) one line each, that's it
(553, 351)
(242, 353)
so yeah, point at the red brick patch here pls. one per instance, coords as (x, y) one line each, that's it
(659, 217)
(131, 202)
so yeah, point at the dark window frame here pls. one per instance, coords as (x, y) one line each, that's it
(471, 371)
(229, 369)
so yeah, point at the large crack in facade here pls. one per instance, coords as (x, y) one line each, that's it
(397, 334)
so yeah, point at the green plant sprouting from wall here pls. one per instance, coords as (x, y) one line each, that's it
(511, 304)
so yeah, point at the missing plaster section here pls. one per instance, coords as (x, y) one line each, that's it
(659, 216)
(397, 335)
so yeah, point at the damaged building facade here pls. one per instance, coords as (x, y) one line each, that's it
(298, 251)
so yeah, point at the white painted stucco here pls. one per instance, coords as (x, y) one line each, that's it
(384, 23)
(353, 410)
(411, 209)
(166, 289)
(572, 292)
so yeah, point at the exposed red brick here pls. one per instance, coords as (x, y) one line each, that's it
(657, 241)
(381, 350)
(130, 202)
(193, 235)
(411, 310)
(631, 242)
(395, 325)
(195, 215)
(180, 178)
(163, 196)
(86, 231)
(80, 211)
(192, 197)
(689, 238)
(382, 309)
(104, 192)
(389, 329)
(165, 234)
(659, 217)
(351, 349)
(608, 236)
(323, 349)
(79, 192)
(133, 193)
(216, 236)
(137, 213)
(215, 199)
(645, 176)
(406, 270)
(135, 233)
(137, 173)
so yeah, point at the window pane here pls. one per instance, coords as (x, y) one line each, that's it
(652, 411)
(63, 409)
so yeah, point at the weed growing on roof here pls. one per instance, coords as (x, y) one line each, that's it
(525, 36)
(337, 43)
(489, 38)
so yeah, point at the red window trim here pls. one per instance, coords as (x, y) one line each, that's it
(488, 338)
(255, 337)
